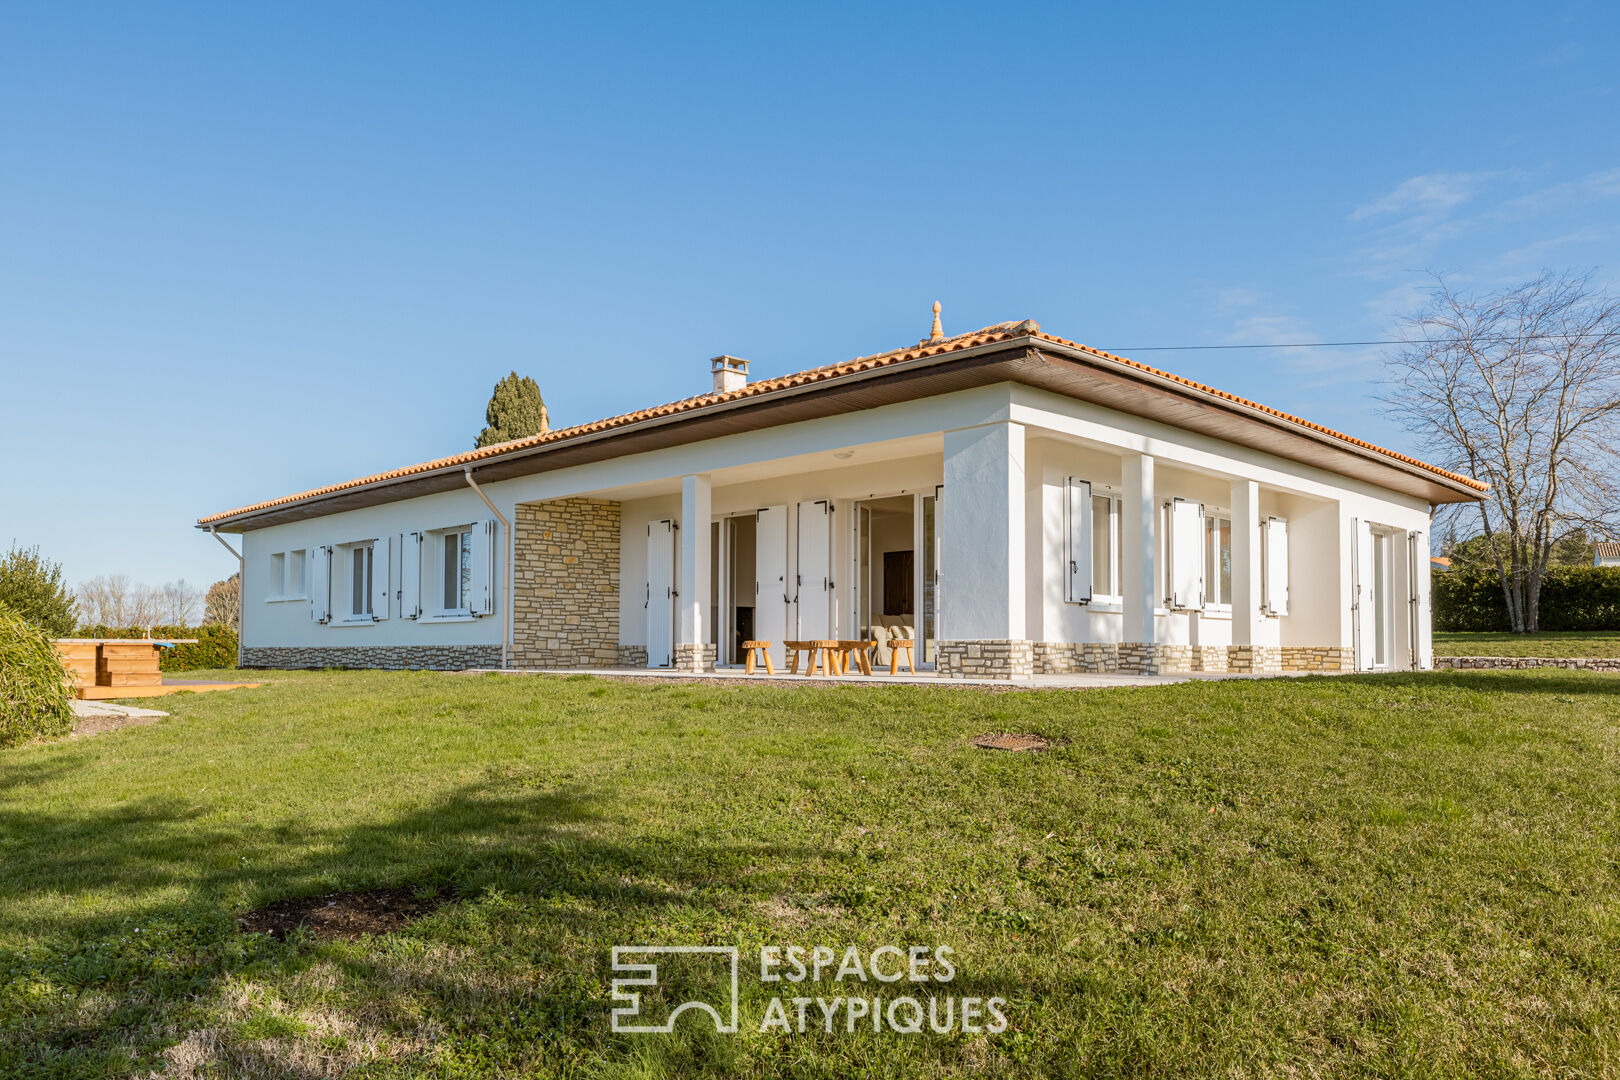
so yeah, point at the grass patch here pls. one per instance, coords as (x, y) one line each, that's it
(1375, 875)
(1577, 643)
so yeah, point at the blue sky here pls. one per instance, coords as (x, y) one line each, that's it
(249, 249)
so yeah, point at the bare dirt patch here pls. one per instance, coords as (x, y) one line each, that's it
(1006, 740)
(344, 916)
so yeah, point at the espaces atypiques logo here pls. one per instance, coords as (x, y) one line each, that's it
(818, 989)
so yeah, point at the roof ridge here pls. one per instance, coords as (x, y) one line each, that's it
(1001, 331)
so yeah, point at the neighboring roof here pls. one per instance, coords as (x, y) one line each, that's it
(1007, 334)
(1607, 550)
(1442, 561)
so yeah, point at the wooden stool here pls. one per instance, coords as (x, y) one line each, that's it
(858, 652)
(822, 654)
(895, 645)
(761, 649)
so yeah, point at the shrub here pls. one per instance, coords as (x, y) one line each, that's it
(31, 585)
(215, 647)
(1572, 598)
(36, 691)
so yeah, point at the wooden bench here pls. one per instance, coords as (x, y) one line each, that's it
(761, 650)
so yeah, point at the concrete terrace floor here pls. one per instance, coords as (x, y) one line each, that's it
(1089, 681)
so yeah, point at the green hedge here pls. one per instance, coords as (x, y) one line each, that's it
(1572, 598)
(36, 691)
(215, 648)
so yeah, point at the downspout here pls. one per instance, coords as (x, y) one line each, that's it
(507, 600)
(241, 591)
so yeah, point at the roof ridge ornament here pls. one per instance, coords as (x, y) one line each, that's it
(937, 333)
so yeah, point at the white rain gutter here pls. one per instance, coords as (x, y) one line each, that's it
(507, 599)
(241, 590)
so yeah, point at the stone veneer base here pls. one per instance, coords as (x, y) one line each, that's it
(984, 659)
(692, 657)
(387, 657)
(1136, 658)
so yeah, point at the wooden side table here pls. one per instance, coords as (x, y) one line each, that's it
(895, 645)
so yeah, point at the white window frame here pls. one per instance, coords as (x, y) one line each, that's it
(1213, 516)
(435, 550)
(276, 587)
(1111, 598)
(296, 586)
(343, 585)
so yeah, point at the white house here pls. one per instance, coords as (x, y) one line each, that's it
(1606, 554)
(1016, 502)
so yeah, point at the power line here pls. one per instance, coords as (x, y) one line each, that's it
(1348, 344)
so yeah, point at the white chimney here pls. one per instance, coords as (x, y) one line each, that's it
(730, 373)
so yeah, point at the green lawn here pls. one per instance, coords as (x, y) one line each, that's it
(1401, 875)
(1604, 643)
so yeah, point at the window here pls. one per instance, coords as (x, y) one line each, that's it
(360, 582)
(457, 567)
(1095, 532)
(360, 566)
(1217, 561)
(276, 587)
(296, 575)
(1107, 542)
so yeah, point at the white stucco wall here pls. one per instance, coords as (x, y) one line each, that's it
(1002, 452)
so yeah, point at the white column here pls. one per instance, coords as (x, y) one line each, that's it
(692, 606)
(1141, 549)
(1247, 620)
(983, 560)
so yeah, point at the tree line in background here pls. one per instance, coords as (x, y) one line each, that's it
(32, 586)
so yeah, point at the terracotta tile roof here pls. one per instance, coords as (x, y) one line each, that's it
(988, 335)
(1608, 550)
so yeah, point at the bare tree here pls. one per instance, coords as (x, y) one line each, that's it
(104, 600)
(180, 603)
(111, 600)
(1520, 388)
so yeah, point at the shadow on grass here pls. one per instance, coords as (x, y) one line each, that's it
(181, 946)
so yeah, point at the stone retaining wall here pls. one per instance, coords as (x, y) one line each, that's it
(566, 599)
(389, 657)
(1515, 663)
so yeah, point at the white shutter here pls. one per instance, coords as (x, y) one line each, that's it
(320, 592)
(660, 593)
(410, 575)
(1274, 577)
(1417, 576)
(382, 593)
(770, 585)
(482, 601)
(1363, 617)
(813, 583)
(1186, 555)
(1077, 520)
